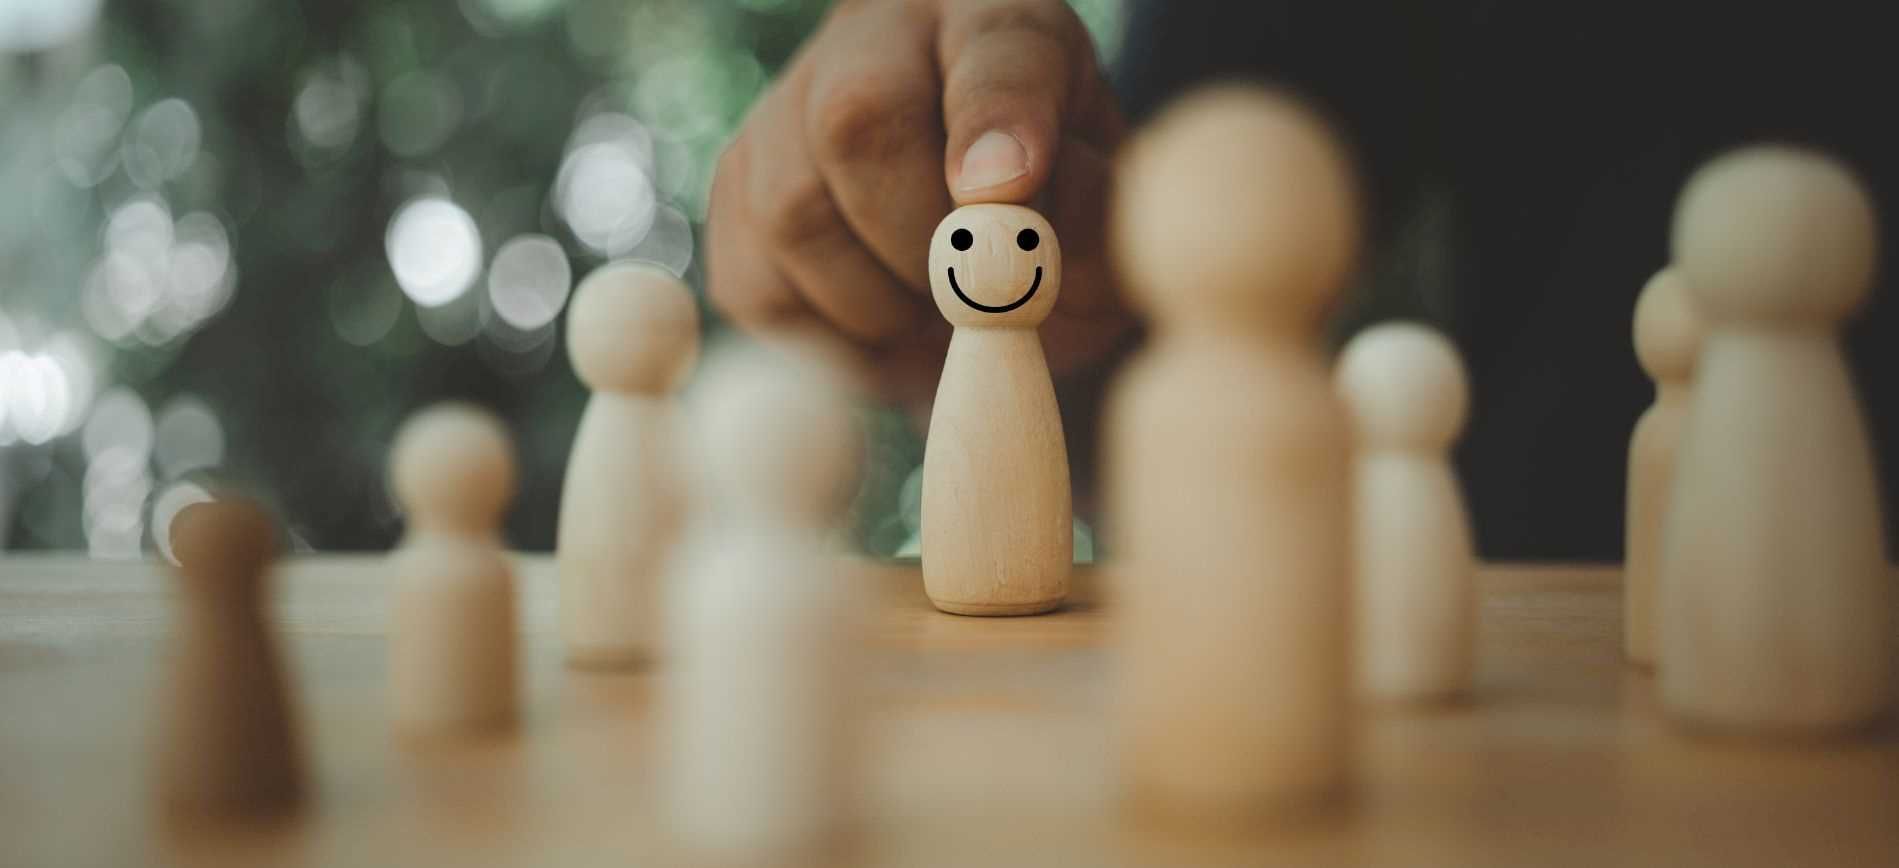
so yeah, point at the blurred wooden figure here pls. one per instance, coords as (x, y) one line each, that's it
(452, 631)
(1776, 601)
(998, 526)
(228, 745)
(1416, 596)
(633, 333)
(1667, 339)
(1228, 466)
(761, 689)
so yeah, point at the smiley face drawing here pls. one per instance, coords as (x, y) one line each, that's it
(995, 265)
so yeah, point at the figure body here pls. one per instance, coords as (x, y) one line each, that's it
(997, 520)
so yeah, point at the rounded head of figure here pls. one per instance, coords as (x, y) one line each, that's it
(1236, 201)
(1667, 329)
(223, 546)
(632, 327)
(1775, 233)
(1405, 387)
(995, 265)
(452, 469)
(775, 431)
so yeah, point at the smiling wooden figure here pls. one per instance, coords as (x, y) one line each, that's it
(997, 522)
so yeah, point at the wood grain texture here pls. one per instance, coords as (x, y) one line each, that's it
(988, 745)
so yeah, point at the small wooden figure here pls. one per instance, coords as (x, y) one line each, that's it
(1775, 609)
(1416, 594)
(1228, 463)
(633, 332)
(228, 745)
(997, 523)
(761, 689)
(1667, 339)
(452, 630)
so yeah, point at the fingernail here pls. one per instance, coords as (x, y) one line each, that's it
(995, 158)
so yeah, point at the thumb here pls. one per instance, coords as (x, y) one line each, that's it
(1010, 71)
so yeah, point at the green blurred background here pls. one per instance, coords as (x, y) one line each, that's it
(240, 240)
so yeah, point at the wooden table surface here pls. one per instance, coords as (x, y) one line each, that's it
(990, 746)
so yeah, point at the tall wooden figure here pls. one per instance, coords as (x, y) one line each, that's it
(762, 697)
(633, 332)
(1776, 603)
(228, 745)
(452, 623)
(1416, 591)
(997, 526)
(1228, 463)
(1667, 339)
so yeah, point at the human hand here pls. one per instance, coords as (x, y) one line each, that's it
(894, 112)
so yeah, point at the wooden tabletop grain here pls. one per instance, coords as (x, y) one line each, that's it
(991, 746)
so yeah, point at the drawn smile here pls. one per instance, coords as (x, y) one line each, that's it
(1037, 284)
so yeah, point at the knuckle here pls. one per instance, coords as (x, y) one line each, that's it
(870, 119)
(1050, 20)
(799, 214)
(742, 292)
(750, 303)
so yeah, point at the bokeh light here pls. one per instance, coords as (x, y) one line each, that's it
(165, 508)
(514, 352)
(327, 114)
(119, 420)
(163, 143)
(74, 359)
(45, 392)
(606, 195)
(86, 136)
(529, 281)
(34, 393)
(156, 279)
(668, 243)
(434, 249)
(187, 436)
(33, 25)
(496, 16)
(457, 321)
(116, 485)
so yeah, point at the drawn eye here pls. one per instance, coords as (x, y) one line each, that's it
(1027, 239)
(961, 239)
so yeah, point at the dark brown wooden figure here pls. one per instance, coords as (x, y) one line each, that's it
(227, 743)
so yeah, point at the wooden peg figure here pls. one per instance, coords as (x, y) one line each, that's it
(997, 529)
(228, 746)
(1667, 340)
(761, 694)
(452, 631)
(1775, 609)
(633, 332)
(1416, 596)
(1235, 221)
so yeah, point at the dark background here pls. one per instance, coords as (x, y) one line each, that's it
(1523, 160)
